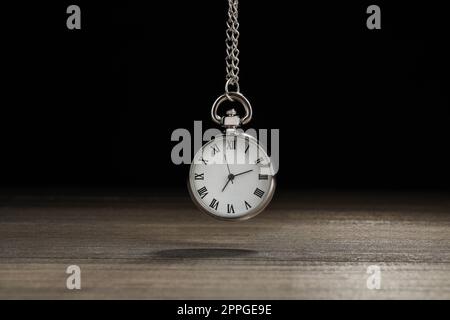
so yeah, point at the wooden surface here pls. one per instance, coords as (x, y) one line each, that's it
(305, 246)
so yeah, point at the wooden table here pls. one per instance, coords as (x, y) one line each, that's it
(307, 245)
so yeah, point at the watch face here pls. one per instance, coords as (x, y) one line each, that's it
(231, 177)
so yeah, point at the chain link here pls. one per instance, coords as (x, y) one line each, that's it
(232, 33)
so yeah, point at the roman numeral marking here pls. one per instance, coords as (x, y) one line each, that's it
(247, 205)
(258, 192)
(214, 204)
(258, 161)
(263, 177)
(199, 176)
(215, 149)
(246, 149)
(202, 192)
(204, 161)
(230, 208)
(231, 144)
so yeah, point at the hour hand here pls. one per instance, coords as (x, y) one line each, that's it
(228, 181)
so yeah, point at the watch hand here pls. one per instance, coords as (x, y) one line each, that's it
(229, 179)
(228, 167)
(242, 173)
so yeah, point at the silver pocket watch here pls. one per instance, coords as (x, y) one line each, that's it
(231, 177)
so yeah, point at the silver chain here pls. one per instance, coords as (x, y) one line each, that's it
(232, 59)
(232, 77)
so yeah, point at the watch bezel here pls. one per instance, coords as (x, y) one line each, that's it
(249, 214)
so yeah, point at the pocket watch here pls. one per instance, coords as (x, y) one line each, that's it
(231, 177)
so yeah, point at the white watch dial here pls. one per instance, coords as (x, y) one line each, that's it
(231, 177)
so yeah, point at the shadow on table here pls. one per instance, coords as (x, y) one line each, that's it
(204, 253)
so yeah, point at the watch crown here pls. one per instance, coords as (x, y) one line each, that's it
(231, 112)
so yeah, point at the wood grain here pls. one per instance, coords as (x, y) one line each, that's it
(305, 246)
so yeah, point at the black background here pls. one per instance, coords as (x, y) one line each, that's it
(356, 108)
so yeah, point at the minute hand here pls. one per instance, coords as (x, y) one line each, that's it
(242, 173)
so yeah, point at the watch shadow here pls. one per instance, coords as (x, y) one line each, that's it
(204, 253)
